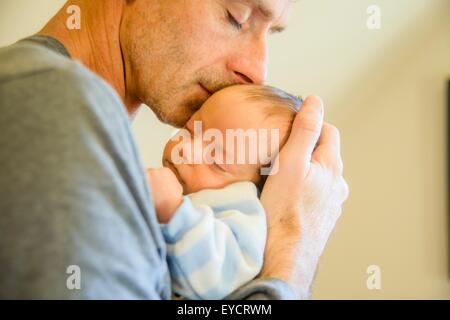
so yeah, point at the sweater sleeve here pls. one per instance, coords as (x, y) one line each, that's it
(264, 289)
(216, 241)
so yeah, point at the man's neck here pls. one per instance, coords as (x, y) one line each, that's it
(96, 44)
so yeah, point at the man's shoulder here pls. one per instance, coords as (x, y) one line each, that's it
(29, 69)
(26, 58)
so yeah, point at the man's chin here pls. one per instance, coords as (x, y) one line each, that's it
(177, 120)
(177, 112)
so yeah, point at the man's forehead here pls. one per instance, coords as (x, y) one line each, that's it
(271, 9)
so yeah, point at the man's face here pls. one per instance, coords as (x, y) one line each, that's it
(178, 52)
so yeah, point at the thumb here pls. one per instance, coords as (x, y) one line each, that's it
(306, 130)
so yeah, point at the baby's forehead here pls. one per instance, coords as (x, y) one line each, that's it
(249, 106)
(233, 112)
(261, 95)
(235, 99)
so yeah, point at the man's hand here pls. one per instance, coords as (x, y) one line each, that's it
(167, 192)
(304, 199)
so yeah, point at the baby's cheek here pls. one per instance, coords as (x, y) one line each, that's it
(191, 177)
(201, 179)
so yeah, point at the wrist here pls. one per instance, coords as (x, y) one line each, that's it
(288, 258)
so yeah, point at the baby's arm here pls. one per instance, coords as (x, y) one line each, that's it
(216, 241)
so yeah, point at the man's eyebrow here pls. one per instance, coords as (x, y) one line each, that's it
(277, 29)
(261, 5)
(268, 14)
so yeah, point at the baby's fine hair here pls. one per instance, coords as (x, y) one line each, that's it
(275, 96)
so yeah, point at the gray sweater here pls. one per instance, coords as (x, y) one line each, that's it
(76, 217)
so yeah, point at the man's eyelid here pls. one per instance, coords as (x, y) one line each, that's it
(240, 11)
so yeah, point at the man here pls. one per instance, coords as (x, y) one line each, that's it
(76, 217)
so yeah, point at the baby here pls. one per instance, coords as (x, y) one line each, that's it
(207, 200)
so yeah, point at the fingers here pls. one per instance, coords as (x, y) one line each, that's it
(160, 174)
(306, 130)
(328, 150)
(163, 178)
(157, 176)
(328, 155)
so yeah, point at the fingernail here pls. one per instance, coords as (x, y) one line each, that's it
(316, 101)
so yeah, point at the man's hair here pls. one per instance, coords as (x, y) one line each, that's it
(277, 105)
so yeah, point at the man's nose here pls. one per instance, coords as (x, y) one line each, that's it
(249, 64)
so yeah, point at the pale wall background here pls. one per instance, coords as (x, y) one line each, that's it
(385, 90)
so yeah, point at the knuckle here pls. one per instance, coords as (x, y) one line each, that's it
(315, 103)
(345, 189)
(318, 107)
(338, 212)
(332, 129)
(310, 122)
(340, 188)
(335, 166)
(339, 167)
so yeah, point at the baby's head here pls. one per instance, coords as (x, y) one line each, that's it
(232, 137)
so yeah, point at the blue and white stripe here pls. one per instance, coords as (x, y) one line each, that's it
(215, 241)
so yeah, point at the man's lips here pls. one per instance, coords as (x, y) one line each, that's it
(206, 90)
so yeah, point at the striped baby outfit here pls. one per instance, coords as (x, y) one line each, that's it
(215, 241)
